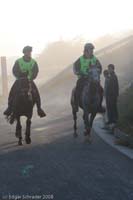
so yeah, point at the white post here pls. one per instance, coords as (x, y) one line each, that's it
(4, 76)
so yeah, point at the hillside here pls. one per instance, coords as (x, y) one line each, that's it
(125, 106)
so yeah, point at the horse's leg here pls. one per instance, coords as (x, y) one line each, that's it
(92, 117)
(75, 123)
(19, 131)
(27, 133)
(86, 123)
(88, 129)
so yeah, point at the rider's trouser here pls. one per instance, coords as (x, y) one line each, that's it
(36, 95)
(79, 87)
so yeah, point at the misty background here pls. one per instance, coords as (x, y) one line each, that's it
(58, 55)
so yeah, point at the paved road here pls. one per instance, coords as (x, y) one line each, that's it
(57, 164)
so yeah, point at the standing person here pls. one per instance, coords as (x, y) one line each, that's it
(81, 69)
(112, 93)
(27, 67)
(106, 76)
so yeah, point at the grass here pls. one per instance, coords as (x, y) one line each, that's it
(125, 107)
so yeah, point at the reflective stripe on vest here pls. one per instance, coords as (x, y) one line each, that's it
(26, 66)
(85, 64)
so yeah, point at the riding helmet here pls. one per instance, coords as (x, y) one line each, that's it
(27, 49)
(88, 46)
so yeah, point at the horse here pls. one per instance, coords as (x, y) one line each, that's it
(89, 102)
(23, 103)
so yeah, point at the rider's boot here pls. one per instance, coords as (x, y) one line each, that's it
(8, 111)
(41, 112)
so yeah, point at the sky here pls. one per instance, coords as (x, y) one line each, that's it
(39, 22)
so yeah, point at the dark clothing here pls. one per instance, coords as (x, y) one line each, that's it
(18, 74)
(112, 111)
(106, 85)
(112, 89)
(111, 95)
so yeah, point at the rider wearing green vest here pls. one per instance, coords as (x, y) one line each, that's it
(25, 66)
(81, 69)
(85, 64)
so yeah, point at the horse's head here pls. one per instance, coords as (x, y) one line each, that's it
(24, 88)
(94, 74)
(94, 78)
(23, 85)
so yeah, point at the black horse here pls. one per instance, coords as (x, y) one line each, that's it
(23, 104)
(89, 102)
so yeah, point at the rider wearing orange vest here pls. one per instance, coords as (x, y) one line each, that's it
(25, 66)
(81, 69)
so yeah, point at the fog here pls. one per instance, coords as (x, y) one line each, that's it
(56, 56)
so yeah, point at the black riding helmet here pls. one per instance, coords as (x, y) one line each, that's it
(88, 46)
(27, 49)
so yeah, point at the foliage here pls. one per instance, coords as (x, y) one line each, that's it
(125, 106)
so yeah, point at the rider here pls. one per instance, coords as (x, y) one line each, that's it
(81, 69)
(25, 66)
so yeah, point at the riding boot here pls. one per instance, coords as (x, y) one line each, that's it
(12, 93)
(40, 111)
(8, 111)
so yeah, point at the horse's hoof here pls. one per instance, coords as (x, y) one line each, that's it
(88, 139)
(28, 140)
(87, 132)
(75, 135)
(20, 143)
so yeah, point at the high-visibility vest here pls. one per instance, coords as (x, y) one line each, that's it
(26, 66)
(85, 64)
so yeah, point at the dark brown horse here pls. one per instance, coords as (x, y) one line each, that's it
(89, 102)
(23, 104)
